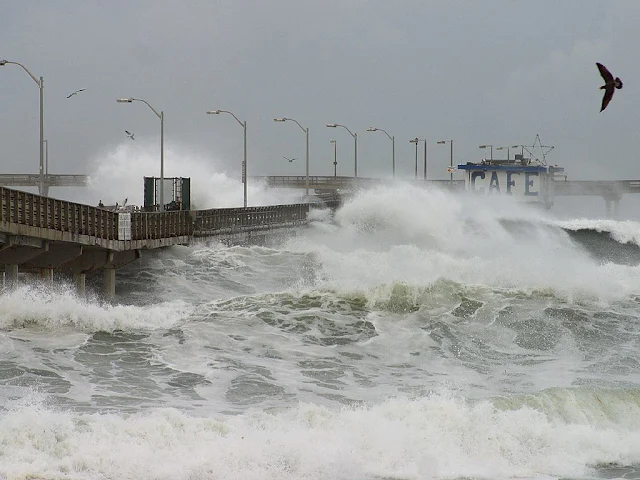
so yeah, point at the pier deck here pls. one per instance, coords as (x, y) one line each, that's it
(44, 234)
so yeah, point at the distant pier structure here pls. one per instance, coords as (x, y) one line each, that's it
(532, 181)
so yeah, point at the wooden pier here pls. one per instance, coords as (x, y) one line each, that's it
(41, 234)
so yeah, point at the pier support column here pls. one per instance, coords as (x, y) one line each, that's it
(612, 206)
(80, 279)
(110, 282)
(46, 274)
(11, 275)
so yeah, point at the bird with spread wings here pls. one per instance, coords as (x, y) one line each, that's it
(76, 92)
(610, 84)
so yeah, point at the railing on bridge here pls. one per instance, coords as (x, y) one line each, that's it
(18, 208)
(595, 187)
(331, 183)
(52, 180)
(224, 220)
(31, 210)
(157, 225)
(317, 181)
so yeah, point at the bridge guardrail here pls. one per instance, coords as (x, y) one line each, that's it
(156, 225)
(33, 210)
(331, 182)
(220, 220)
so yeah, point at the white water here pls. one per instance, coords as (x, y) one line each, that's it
(407, 234)
(258, 362)
(118, 174)
(439, 436)
(622, 231)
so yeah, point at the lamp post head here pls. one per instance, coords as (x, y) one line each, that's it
(415, 140)
(332, 141)
(372, 129)
(125, 100)
(441, 142)
(515, 146)
(332, 125)
(283, 119)
(3, 62)
(485, 146)
(213, 112)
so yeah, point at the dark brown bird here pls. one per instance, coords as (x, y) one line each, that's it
(610, 84)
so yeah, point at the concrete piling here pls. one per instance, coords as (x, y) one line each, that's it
(80, 279)
(110, 282)
(11, 275)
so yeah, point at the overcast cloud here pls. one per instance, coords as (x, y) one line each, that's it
(478, 72)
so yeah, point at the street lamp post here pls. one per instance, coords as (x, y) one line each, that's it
(520, 146)
(40, 82)
(46, 157)
(425, 158)
(335, 157)
(502, 148)
(442, 142)
(244, 158)
(161, 117)
(393, 147)
(417, 141)
(488, 146)
(306, 131)
(355, 150)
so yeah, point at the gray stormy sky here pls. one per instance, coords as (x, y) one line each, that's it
(478, 72)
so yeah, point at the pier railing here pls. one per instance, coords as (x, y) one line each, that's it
(31, 210)
(226, 220)
(157, 225)
(23, 213)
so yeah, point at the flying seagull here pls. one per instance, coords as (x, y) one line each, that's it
(290, 159)
(129, 134)
(76, 92)
(610, 84)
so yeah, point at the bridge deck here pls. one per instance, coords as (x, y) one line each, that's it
(42, 232)
(38, 232)
(52, 180)
(320, 182)
(604, 188)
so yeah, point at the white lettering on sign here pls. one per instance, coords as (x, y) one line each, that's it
(518, 183)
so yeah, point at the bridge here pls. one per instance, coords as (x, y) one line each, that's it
(610, 190)
(43, 182)
(41, 234)
(614, 188)
(319, 182)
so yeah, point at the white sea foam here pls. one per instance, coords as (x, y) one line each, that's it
(118, 174)
(434, 437)
(406, 233)
(621, 231)
(60, 308)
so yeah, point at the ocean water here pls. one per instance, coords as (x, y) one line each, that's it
(409, 335)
